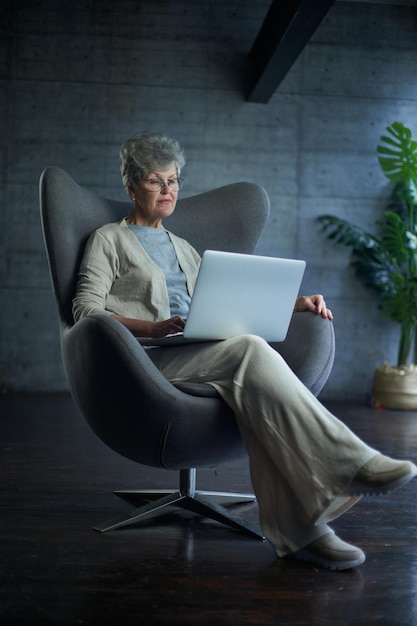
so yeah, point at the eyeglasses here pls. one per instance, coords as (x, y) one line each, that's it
(157, 184)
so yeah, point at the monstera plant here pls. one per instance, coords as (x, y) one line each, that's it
(386, 262)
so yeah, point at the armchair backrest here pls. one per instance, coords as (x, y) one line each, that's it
(229, 218)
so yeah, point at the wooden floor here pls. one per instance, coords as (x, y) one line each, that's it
(58, 481)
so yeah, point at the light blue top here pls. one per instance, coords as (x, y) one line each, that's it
(158, 245)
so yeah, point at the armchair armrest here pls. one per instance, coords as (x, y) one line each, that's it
(309, 349)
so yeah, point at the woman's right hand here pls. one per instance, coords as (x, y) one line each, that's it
(167, 327)
(152, 330)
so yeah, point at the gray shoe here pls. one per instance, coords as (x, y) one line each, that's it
(331, 553)
(380, 475)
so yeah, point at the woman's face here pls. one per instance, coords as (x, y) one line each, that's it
(153, 201)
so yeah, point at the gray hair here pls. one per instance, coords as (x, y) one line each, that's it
(146, 153)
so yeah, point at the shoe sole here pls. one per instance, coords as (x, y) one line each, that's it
(335, 566)
(360, 489)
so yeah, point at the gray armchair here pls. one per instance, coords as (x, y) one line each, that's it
(127, 402)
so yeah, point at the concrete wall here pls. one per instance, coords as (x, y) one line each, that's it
(79, 78)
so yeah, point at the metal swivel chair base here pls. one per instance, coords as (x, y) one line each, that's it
(206, 503)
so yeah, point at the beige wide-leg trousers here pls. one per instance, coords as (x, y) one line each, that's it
(301, 456)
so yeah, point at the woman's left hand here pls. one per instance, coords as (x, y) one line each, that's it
(314, 303)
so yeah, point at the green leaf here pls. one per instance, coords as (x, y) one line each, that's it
(394, 238)
(348, 234)
(398, 162)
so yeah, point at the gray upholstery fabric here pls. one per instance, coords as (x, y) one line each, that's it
(127, 402)
(309, 349)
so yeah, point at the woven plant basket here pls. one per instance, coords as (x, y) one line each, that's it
(395, 387)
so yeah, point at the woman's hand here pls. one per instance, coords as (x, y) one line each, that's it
(154, 330)
(167, 327)
(314, 303)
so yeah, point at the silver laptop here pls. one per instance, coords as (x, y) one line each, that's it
(239, 294)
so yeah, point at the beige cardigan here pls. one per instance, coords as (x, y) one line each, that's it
(118, 276)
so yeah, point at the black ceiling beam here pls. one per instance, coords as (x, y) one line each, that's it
(287, 28)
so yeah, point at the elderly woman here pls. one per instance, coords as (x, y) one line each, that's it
(306, 466)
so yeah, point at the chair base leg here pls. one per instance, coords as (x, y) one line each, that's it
(198, 502)
(223, 498)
